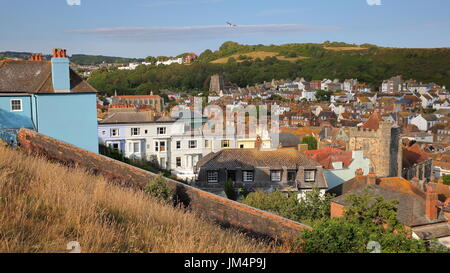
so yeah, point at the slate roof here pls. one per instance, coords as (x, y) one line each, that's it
(434, 231)
(35, 77)
(133, 118)
(288, 140)
(250, 158)
(411, 206)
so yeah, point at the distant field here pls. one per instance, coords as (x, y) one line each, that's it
(257, 54)
(347, 48)
(44, 206)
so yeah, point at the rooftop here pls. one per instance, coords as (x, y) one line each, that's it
(35, 77)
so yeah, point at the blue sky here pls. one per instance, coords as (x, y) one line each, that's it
(139, 28)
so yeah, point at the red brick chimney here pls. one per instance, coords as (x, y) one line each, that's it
(431, 203)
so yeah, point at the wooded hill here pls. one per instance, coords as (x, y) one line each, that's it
(251, 64)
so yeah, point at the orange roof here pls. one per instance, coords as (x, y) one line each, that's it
(301, 131)
(326, 156)
(398, 184)
(373, 122)
(413, 155)
(139, 97)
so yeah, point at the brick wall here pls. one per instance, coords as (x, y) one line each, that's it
(210, 206)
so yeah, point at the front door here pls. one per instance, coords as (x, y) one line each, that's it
(231, 175)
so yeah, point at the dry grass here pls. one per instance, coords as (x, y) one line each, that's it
(256, 54)
(346, 48)
(43, 206)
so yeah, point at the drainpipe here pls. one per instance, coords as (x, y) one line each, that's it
(31, 111)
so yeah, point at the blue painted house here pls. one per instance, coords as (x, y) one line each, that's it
(49, 97)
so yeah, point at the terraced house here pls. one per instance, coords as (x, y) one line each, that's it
(168, 141)
(49, 97)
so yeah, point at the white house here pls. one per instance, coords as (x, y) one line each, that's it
(309, 95)
(424, 122)
(171, 61)
(167, 141)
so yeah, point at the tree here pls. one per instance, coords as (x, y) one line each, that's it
(367, 218)
(311, 141)
(323, 95)
(230, 191)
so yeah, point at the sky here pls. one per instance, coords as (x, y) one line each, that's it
(140, 28)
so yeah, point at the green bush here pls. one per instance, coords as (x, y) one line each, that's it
(160, 189)
(311, 141)
(313, 207)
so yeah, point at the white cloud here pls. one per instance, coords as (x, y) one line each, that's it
(73, 2)
(196, 32)
(374, 2)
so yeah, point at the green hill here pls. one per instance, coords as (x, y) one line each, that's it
(240, 64)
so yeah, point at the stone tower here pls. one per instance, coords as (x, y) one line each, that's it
(381, 146)
(216, 84)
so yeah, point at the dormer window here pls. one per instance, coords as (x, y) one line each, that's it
(310, 176)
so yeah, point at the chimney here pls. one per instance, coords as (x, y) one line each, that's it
(359, 175)
(258, 143)
(371, 179)
(60, 70)
(431, 202)
(36, 57)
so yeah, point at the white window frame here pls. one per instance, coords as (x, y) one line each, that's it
(161, 130)
(272, 176)
(115, 130)
(308, 175)
(158, 146)
(20, 104)
(248, 176)
(138, 131)
(192, 142)
(131, 146)
(178, 144)
(178, 160)
(212, 176)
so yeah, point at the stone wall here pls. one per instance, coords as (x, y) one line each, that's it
(207, 205)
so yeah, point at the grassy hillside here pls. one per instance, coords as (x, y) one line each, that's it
(254, 55)
(251, 64)
(44, 206)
